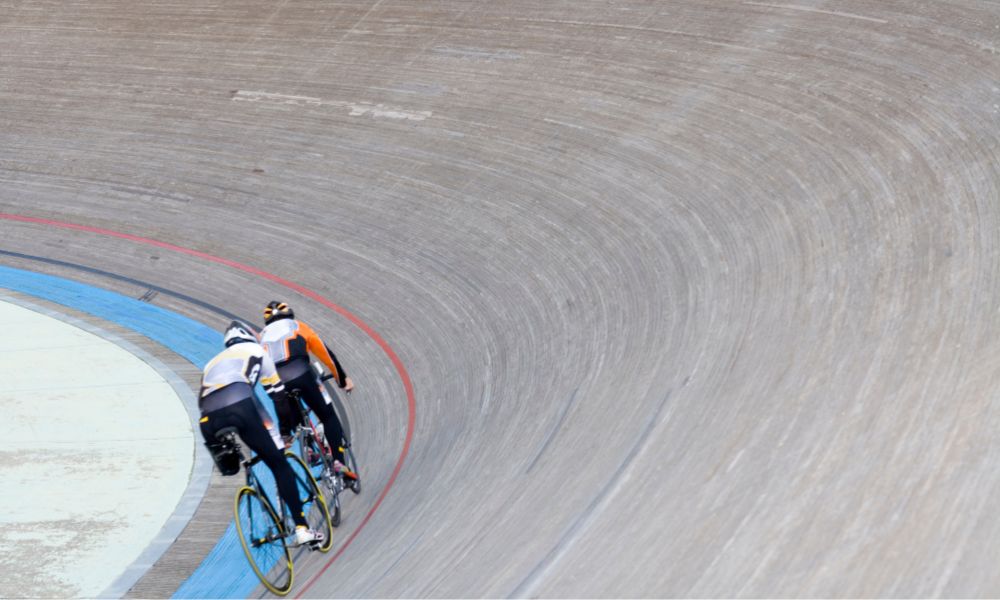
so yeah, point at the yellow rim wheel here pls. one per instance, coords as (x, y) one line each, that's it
(263, 539)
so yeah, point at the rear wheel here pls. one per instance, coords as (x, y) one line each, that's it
(263, 539)
(313, 500)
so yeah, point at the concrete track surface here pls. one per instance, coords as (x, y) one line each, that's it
(697, 298)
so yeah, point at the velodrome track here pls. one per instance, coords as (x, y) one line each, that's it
(696, 298)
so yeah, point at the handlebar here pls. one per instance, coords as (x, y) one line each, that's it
(328, 377)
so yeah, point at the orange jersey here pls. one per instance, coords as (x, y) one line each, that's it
(287, 339)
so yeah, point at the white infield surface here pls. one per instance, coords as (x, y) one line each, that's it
(98, 453)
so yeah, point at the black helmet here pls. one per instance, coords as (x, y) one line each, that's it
(237, 333)
(277, 310)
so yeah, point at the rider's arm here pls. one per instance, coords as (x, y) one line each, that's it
(336, 363)
(318, 349)
(269, 377)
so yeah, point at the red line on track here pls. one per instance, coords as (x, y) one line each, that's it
(396, 362)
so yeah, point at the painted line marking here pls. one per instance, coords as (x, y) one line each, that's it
(117, 277)
(476, 53)
(389, 352)
(834, 13)
(356, 109)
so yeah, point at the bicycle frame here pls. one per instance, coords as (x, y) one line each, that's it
(253, 481)
(268, 527)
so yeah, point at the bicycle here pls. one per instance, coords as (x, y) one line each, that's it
(315, 451)
(263, 535)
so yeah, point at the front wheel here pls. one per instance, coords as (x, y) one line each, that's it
(352, 464)
(263, 539)
(335, 508)
(313, 500)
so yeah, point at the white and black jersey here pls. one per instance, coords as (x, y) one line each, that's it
(231, 375)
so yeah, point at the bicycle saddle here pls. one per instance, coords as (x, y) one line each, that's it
(225, 433)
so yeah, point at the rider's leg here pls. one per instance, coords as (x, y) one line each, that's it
(331, 423)
(269, 447)
(289, 416)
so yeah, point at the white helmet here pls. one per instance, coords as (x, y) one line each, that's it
(238, 332)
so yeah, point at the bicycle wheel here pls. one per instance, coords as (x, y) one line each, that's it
(313, 500)
(354, 486)
(263, 539)
(317, 455)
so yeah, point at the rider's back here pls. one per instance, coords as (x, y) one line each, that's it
(289, 342)
(239, 363)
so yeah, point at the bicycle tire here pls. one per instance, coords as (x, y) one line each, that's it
(335, 515)
(352, 464)
(313, 501)
(317, 455)
(262, 537)
(323, 472)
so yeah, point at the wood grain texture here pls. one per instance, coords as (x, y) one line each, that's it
(698, 298)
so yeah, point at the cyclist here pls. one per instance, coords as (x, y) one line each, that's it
(227, 400)
(289, 342)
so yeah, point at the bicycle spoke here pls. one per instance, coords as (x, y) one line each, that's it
(263, 541)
